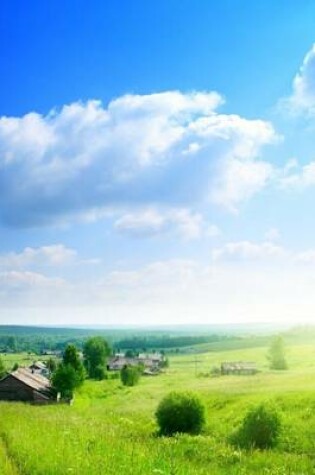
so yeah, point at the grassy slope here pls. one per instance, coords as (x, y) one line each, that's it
(111, 430)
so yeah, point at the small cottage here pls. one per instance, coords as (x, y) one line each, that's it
(23, 385)
(238, 367)
(38, 367)
(152, 362)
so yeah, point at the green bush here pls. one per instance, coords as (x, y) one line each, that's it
(65, 380)
(260, 428)
(100, 372)
(130, 375)
(180, 412)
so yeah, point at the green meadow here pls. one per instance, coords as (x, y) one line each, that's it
(111, 429)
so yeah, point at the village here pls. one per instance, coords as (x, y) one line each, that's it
(32, 383)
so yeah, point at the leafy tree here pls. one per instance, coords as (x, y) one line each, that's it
(71, 357)
(15, 366)
(260, 428)
(96, 351)
(180, 412)
(130, 375)
(51, 365)
(276, 354)
(2, 368)
(100, 372)
(65, 380)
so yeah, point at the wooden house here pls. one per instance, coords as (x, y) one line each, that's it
(23, 385)
(38, 367)
(148, 361)
(238, 367)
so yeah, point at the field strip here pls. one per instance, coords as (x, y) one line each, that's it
(7, 465)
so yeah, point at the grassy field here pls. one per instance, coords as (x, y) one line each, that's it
(111, 429)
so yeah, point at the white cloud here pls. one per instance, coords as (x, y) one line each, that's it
(27, 279)
(303, 94)
(152, 222)
(297, 177)
(248, 250)
(240, 180)
(166, 148)
(272, 234)
(54, 255)
(306, 257)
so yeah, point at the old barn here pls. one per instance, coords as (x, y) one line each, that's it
(238, 367)
(23, 385)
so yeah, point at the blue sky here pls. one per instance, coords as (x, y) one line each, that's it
(157, 162)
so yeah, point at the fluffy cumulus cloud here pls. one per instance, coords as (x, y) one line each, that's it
(152, 222)
(169, 148)
(248, 250)
(297, 177)
(53, 255)
(303, 95)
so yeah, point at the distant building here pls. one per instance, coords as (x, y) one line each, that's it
(47, 352)
(38, 367)
(23, 385)
(238, 367)
(151, 362)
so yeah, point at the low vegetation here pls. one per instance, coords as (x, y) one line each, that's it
(112, 428)
(180, 413)
(130, 375)
(260, 428)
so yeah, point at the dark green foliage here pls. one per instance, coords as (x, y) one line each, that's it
(130, 375)
(96, 351)
(144, 343)
(276, 354)
(65, 380)
(2, 368)
(51, 365)
(15, 367)
(100, 372)
(260, 428)
(180, 412)
(71, 358)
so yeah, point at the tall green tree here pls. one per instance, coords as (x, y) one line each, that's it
(71, 357)
(65, 380)
(276, 354)
(96, 351)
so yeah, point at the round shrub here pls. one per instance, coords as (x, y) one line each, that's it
(260, 428)
(180, 412)
(130, 375)
(100, 372)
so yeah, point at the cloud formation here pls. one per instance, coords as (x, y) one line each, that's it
(247, 250)
(53, 255)
(169, 148)
(303, 94)
(153, 222)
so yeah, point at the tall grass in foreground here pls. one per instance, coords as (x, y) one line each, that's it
(111, 429)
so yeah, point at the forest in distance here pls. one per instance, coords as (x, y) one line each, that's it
(15, 339)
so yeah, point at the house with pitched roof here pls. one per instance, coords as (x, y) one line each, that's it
(23, 385)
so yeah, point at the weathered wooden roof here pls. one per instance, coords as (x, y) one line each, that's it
(238, 365)
(33, 380)
(38, 365)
